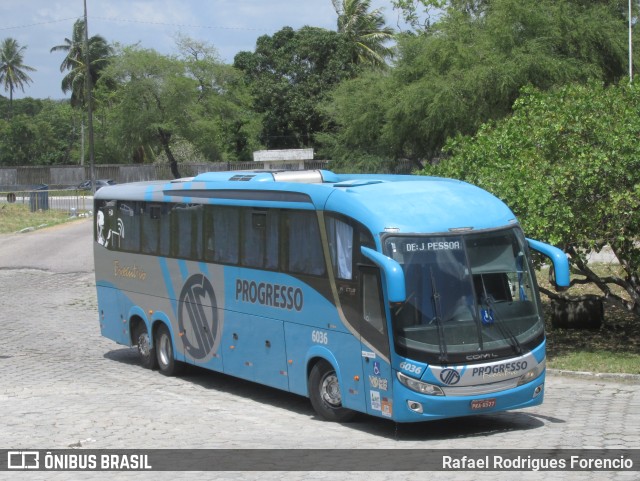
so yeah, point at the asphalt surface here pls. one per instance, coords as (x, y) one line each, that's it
(64, 386)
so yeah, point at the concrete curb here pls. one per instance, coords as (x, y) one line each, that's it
(601, 376)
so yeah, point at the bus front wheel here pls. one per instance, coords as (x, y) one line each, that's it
(324, 393)
(145, 349)
(164, 353)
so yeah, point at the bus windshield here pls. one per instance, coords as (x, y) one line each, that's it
(469, 297)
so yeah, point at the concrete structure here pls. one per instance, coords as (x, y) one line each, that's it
(283, 159)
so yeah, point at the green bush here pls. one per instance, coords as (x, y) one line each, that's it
(568, 163)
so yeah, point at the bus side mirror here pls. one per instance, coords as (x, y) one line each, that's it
(558, 258)
(392, 274)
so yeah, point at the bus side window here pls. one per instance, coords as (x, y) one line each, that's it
(305, 245)
(272, 249)
(208, 232)
(128, 230)
(164, 244)
(345, 237)
(260, 240)
(222, 234)
(105, 222)
(372, 307)
(253, 239)
(150, 229)
(196, 233)
(186, 231)
(340, 237)
(181, 232)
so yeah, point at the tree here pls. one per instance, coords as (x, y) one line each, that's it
(568, 163)
(155, 103)
(149, 103)
(38, 134)
(365, 30)
(74, 62)
(468, 68)
(224, 127)
(358, 139)
(12, 68)
(289, 75)
(417, 14)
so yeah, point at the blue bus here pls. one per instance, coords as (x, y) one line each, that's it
(406, 297)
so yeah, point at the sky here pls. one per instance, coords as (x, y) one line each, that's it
(230, 26)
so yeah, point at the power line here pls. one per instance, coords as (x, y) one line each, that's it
(39, 23)
(114, 19)
(216, 27)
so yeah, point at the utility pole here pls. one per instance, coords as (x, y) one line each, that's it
(87, 84)
(630, 46)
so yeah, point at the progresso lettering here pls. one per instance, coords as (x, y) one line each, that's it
(271, 295)
(432, 246)
(500, 370)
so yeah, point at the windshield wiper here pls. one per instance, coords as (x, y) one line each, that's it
(502, 326)
(437, 309)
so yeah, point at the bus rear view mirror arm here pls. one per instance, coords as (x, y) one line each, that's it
(393, 274)
(558, 258)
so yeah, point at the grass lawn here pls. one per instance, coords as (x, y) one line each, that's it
(15, 217)
(614, 348)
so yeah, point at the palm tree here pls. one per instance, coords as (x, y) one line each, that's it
(365, 29)
(12, 70)
(99, 53)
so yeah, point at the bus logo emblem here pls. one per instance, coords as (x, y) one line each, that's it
(198, 316)
(450, 376)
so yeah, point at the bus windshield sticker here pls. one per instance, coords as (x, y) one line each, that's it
(387, 407)
(112, 234)
(432, 246)
(376, 403)
(487, 316)
(379, 382)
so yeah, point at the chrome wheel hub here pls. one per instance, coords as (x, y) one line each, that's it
(330, 390)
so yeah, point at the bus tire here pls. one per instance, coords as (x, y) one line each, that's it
(164, 353)
(324, 393)
(145, 349)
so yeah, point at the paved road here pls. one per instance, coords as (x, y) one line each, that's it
(62, 385)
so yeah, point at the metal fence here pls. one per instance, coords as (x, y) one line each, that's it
(47, 188)
(42, 199)
(65, 176)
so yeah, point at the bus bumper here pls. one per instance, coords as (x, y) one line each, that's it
(411, 406)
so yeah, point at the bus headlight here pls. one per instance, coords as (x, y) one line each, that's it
(534, 373)
(419, 386)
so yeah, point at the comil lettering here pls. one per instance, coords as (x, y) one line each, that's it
(272, 295)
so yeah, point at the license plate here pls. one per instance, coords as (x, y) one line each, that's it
(483, 404)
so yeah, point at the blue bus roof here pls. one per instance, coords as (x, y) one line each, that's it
(391, 203)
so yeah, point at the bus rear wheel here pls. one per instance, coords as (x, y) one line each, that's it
(164, 353)
(145, 349)
(324, 393)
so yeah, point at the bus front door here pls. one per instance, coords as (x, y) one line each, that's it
(375, 344)
(362, 304)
